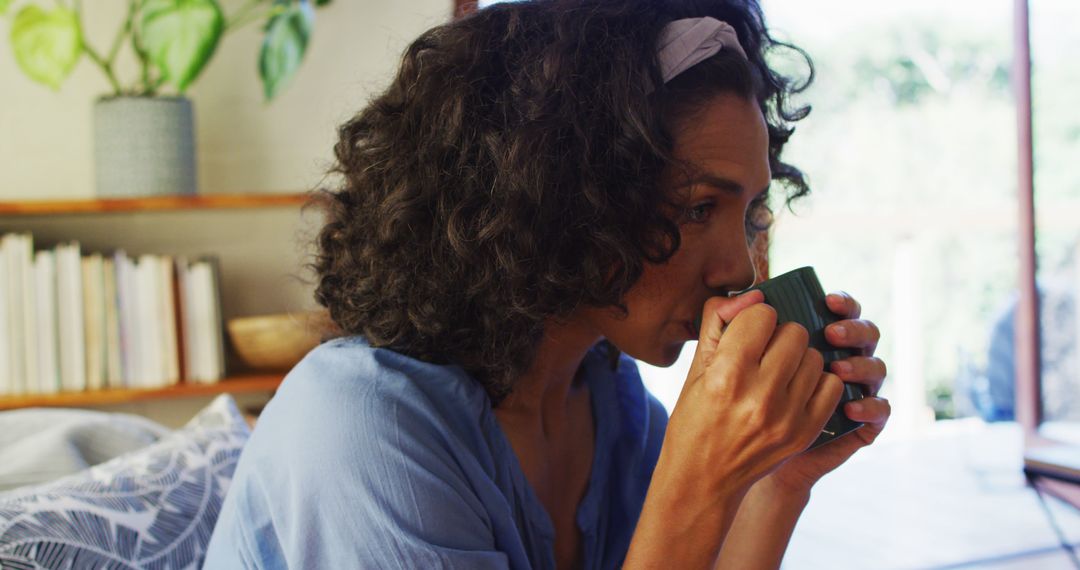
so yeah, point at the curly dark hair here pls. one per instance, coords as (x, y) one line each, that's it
(509, 175)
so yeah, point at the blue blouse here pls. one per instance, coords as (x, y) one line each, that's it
(367, 458)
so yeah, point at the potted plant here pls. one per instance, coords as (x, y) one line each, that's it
(143, 129)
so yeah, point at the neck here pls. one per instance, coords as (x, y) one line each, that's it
(541, 396)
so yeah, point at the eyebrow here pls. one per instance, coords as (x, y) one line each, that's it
(720, 183)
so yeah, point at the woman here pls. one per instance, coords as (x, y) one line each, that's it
(545, 186)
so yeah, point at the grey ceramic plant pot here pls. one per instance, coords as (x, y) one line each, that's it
(144, 146)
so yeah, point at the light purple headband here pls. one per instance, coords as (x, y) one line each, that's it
(687, 42)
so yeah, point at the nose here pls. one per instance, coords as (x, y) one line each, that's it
(730, 268)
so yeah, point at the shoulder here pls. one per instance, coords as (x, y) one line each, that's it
(363, 450)
(350, 416)
(347, 397)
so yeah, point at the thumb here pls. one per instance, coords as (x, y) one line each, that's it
(718, 312)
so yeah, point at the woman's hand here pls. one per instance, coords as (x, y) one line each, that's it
(755, 396)
(800, 473)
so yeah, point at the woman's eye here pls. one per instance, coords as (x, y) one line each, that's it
(758, 217)
(699, 213)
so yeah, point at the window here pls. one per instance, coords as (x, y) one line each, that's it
(1056, 117)
(911, 156)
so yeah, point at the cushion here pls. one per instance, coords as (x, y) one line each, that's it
(38, 445)
(152, 508)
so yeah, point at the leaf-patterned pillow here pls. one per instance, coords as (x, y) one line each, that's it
(152, 508)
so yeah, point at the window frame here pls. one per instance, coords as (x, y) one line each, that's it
(1027, 343)
(464, 7)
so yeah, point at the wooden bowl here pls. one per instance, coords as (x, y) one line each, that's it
(275, 342)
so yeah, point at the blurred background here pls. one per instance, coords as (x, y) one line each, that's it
(911, 154)
(911, 151)
(254, 157)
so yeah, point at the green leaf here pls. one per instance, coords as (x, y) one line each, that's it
(179, 36)
(4, 4)
(47, 45)
(321, 3)
(283, 47)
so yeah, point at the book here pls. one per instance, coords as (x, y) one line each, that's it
(114, 377)
(148, 315)
(197, 317)
(217, 319)
(21, 305)
(70, 317)
(6, 364)
(70, 322)
(128, 331)
(94, 320)
(48, 345)
(169, 350)
(188, 350)
(17, 345)
(203, 309)
(182, 325)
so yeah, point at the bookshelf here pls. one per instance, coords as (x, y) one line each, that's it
(123, 222)
(93, 398)
(150, 204)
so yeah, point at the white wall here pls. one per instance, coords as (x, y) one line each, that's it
(244, 144)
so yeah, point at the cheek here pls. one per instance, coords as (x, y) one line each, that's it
(652, 332)
(654, 304)
(663, 294)
(652, 297)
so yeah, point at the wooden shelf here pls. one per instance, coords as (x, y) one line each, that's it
(233, 385)
(151, 204)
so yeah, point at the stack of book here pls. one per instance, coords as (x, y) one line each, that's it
(71, 322)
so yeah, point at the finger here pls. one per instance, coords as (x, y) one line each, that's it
(717, 313)
(825, 398)
(728, 310)
(854, 333)
(805, 381)
(748, 334)
(872, 411)
(785, 352)
(866, 370)
(843, 304)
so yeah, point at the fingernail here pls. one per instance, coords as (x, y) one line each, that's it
(855, 408)
(840, 331)
(841, 367)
